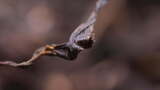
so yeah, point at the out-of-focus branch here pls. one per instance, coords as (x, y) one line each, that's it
(82, 38)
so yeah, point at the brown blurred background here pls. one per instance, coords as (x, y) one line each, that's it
(126, 55)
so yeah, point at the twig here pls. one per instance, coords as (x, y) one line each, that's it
(82, 38)
(46, 50)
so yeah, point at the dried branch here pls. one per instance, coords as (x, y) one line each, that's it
(82, 38)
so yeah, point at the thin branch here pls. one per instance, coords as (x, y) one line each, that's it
(81, 38)
(46, 50)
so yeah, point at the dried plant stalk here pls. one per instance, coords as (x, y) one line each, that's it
(81, 38)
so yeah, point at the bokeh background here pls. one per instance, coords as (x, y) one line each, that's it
(126, 55)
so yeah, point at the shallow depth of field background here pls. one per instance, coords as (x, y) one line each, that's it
(126, 55)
